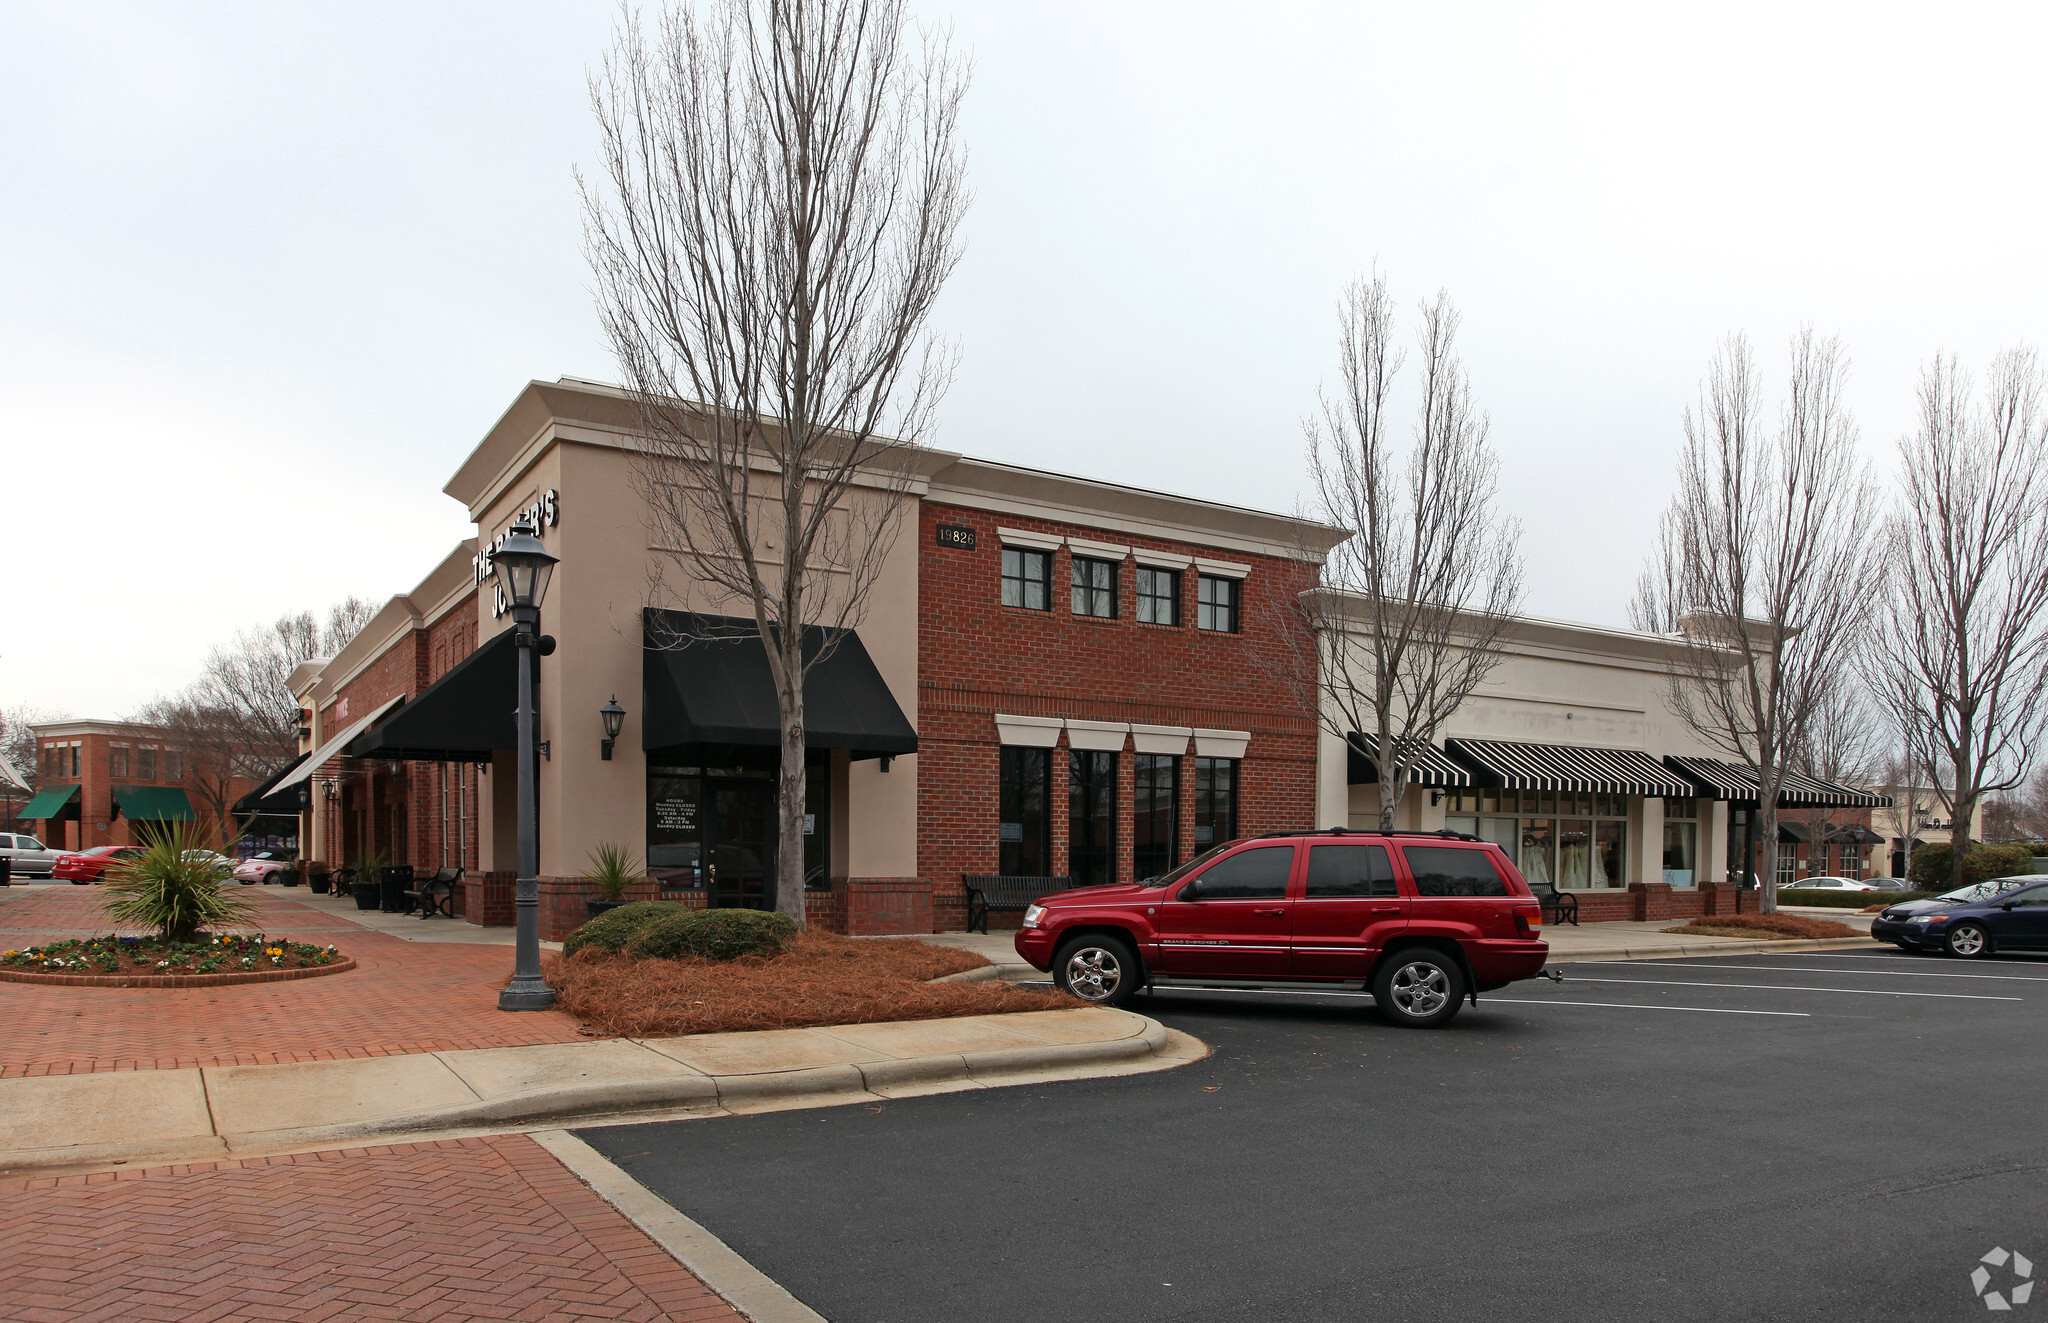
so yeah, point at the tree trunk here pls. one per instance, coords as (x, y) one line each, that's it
(1390, 787)
(1767, 878)
(789, 799)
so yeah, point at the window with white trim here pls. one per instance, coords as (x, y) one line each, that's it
(1158, 596)
(1027, 578)
(1094, 587)
(1217, 603)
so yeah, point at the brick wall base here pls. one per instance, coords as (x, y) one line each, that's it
(487, 899)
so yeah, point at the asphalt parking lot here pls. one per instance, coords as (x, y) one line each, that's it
(1837, 1135)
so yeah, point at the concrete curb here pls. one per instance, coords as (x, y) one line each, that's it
(1719, 946)
(742, 1285)
(1139, 1043)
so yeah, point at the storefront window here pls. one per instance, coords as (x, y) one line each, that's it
(1852, 860)
(675, 828)
(1681, 857)
(1215, 801)
(1538, 860)
(1574, 852)
(1788, 863)
(1610, 863)
(1024, 831)
(1155, 815)
(1091, 817)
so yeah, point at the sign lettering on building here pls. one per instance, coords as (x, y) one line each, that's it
(544, 513)
(956, 535)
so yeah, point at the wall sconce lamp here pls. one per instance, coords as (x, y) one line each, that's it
(614, 720)
(329, 790)
(1436, 797)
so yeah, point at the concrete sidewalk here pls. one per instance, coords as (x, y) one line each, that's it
(210, 1112)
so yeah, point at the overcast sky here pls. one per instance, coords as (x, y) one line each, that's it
(268, 272)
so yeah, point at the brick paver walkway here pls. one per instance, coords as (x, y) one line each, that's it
(488, 1229)
(402, 997)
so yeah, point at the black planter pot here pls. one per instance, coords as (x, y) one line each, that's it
(364, 889)
(393, 881)
(319, 883)
(288, 877)
(596, 906)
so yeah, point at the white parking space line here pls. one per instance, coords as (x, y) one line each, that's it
(1821, 969)
(1793, 987)
(1636, 1006)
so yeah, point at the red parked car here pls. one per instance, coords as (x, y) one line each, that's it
(88, 866)
(1423, 920)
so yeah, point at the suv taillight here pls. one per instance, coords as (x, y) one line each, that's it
(1528, 920)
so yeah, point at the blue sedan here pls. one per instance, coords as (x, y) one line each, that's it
(2004, 914)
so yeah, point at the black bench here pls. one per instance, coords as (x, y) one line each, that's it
(1009, 895)
(436, 895)
(1558, 906)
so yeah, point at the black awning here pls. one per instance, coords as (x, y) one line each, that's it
(705, 680)
(463, 717)
(1856, 835)
(287, 802)
(1736, 784)
(1792, 833)
(1567, 768)
(1432, 768)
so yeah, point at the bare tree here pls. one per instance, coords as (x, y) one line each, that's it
(1843, 745)
(211, 757)
(1408, 617)
(18, 747)
(1966, 613)
(1761, 565)
(781, 193)
(245, 685)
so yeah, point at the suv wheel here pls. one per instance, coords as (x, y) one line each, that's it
(1968, 941)
(1418, 988)
(1101, 970)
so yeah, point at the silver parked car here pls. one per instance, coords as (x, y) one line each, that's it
(27, 856)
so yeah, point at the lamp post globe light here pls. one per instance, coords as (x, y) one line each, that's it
(523, 567)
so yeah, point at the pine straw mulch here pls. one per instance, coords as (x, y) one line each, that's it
(1766, 927)
(821, 978)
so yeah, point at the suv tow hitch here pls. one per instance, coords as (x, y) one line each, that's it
(1554, 975)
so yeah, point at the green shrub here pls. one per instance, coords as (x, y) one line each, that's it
(174, 886)
(611, 930)
(715, 935)
(1846, 900)
(1981, 864)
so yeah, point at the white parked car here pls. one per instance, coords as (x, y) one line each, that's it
(28, 857)
(1831, 884)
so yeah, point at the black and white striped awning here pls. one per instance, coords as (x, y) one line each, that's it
(1570, 768)
(1736, 784)
(1431, 768)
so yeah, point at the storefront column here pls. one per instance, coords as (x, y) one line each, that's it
(1713, 847)
(1646, 836)
(1333, 797)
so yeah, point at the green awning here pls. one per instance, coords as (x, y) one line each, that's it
(153, 804)
(49, 803)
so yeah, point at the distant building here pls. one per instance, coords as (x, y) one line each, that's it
(108, 782)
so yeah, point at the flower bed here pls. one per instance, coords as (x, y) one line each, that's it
(819, 978)
(230, 953)
(1767, 927)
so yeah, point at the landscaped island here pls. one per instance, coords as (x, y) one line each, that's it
(655, 969)
(229, 953)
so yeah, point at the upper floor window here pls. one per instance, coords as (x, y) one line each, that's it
(1094, 587)
(1158, 596)
(1218, 602)
(1027, 578)
(74, 758)
(174, 765)
(145, 763)
(117, 760)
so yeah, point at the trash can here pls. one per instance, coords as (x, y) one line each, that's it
(6, 870)
(393, 881)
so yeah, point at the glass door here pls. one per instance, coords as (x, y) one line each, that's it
(739, 845)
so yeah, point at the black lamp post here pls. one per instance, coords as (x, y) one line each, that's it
(523, 567)
(614, 718)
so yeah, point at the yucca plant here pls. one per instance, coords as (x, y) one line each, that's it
(174, 886)
(612, 867)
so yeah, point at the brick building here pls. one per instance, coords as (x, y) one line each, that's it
(105, 783)
(1053, 675)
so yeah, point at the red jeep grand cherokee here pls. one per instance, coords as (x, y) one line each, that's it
(1422, 919)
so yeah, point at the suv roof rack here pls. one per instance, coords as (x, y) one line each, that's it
(1366, 831)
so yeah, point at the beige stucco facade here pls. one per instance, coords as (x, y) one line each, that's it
(1557, 683)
